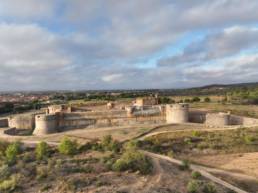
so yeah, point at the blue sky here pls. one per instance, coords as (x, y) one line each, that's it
(111, 44)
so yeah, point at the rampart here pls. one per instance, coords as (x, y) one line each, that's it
(246, 121)
(26, 121)
(197, 116)
(3, 122)
(217, 119)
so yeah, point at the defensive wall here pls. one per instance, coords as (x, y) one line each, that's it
(146, 101)
(180, 113)
(217, 119)
(58, 119)
(23, 121)
(3, 122)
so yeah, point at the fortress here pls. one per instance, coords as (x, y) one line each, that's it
(58, 118)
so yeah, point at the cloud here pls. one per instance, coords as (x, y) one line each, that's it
(26, 9)
(218, 45)
(112, 77)
(30, 56)
(96, 44)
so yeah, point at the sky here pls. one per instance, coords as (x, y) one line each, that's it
(126, 44)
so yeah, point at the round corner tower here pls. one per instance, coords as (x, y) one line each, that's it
(177, 113)
(45, 124)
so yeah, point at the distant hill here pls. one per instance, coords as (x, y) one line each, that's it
(218, 89)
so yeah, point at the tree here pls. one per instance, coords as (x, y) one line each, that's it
(207, 100)
(67, 146)
(196, 99)
(11, 152)
(42, 150)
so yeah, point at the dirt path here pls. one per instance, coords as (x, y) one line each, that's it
(201, 169)
(151, 133)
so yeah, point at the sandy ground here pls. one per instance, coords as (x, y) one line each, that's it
(166, 178)
(246, 163)
(119, 133)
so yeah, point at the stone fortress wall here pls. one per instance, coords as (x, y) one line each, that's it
(23, 121)
(180, 113)
(146, 101)
(60, 118)
(4, 122)
(217, 119)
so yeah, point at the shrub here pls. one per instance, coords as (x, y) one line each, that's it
(108, 143)
(231, 191)
(196, 133)
(193, 186)
(107, 139)
(97, 147)
(170, 154)
(4, 172)
(196, 175)
(10, 184)
(207, 100)
(11, 152)
(3, 146)
(109, 161)
(67, 146)
(28, 157)
(196, 99)
(42, 172)
(114, 146)
(188, 140)
(42, 150)
(185, 165)
(249, 139)
(133, 160)
(131, 145)
(209, 188)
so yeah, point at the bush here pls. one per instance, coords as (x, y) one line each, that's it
(109, 161)
(67, 146)
(10, 184)
(28, 157)
(5, 172)
(42, 172)
(185, 165)
(196, 175)
(249, 139)
(42, 150)
(193, 186)
(3, 146)
(12, 152)
(207, 100)
(196, 133)
(187, 101)
(109, 144)
(133, 160)
(107, 139)
(170, 154)
(165, 100)
(209, 188)
(196, 99)
(131, 145)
